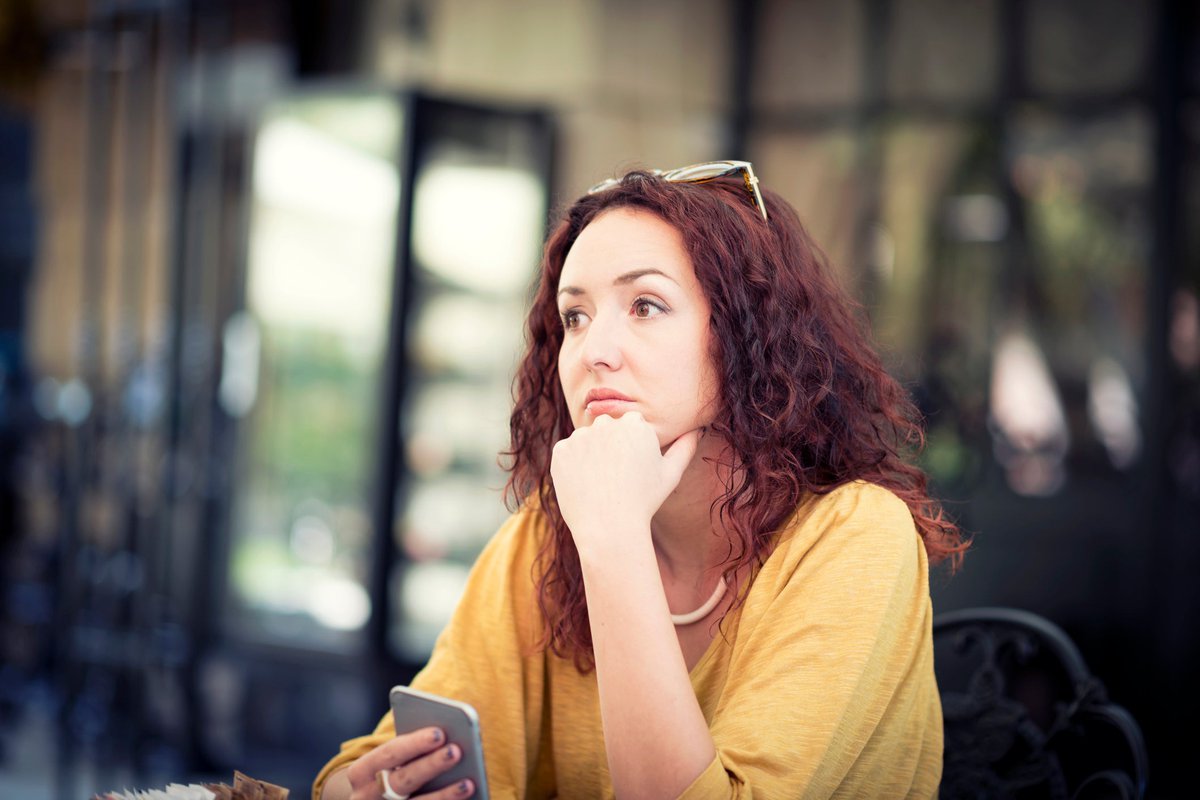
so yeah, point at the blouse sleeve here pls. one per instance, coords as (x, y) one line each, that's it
(485, 657)
(830, 689)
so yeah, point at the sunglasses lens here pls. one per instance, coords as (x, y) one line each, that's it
(699, 172)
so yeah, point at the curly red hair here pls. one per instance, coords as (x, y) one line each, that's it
(805, 401)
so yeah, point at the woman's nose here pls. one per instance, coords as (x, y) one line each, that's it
(602, 344)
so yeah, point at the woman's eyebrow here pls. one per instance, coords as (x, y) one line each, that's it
(621, 280)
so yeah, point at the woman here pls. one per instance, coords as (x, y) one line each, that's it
(717, 583)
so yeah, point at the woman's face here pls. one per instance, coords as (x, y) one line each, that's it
(636, 334)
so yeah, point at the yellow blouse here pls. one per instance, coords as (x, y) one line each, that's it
(822, 685)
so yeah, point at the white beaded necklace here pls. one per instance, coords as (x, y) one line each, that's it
(704, 610)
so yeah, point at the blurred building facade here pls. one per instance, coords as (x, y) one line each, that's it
(262, 267)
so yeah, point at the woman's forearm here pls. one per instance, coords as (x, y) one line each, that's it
(655, 734)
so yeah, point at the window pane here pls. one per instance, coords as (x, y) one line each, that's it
(808, 54)
(816, 173)
(943, 50)
(1087, 46)
(1084, 187)
(925, 193)
(1190, 115)
(303, 368)
(479, 207)
(1184, 328)
(938, 273)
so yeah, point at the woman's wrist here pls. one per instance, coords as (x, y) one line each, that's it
(613, 541)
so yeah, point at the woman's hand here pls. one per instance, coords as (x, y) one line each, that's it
(611, 478)
(409, 761)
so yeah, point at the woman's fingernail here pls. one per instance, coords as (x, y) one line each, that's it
(464, 787)
(451, 752)
(436, 735)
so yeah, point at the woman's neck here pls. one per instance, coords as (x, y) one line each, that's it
(688, 535)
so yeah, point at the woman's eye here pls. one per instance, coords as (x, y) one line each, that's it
(643, 308)
(571, 319)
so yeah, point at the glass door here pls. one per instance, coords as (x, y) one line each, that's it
(304, 366)
(479, 206)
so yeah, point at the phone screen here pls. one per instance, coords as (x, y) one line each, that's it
(415, 709)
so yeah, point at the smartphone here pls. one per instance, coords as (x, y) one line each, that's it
(415, 709)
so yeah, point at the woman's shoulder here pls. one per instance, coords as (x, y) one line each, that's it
(525, 523)
(864, 497)
(856, 516)
(854, 499)
(501, 579)
(519, 538)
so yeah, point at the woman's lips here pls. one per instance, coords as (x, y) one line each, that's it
(609, 406)
(606, 401)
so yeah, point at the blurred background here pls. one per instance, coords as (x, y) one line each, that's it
(263, 266)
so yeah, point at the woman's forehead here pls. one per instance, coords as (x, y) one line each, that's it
(625, 239)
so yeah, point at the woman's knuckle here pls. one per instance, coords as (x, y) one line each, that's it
(419, 772)
(358, 771)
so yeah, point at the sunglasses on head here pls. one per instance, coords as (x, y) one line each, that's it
(702, 173)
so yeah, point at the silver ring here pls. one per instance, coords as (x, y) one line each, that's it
(388, 791)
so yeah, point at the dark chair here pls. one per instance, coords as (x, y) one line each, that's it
(1024, 717)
